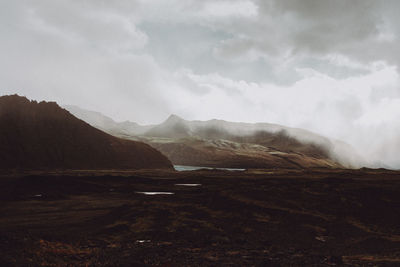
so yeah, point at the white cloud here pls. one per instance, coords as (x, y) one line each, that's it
(230, 8)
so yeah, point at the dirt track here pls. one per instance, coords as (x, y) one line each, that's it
(258, 218)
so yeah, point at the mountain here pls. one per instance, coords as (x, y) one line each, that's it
(265, 134)
(106, 124)
(174, 127)
(221, 143)
(44, 136)
(228, 154)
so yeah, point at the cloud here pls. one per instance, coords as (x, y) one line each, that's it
(89, 59)
(230, 8)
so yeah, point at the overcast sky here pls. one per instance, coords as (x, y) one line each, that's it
(327, 66)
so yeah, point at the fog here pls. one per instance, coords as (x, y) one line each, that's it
(330, 67)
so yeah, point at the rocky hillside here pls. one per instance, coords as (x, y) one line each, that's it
(44, 136)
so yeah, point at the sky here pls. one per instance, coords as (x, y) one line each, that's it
(331, 67)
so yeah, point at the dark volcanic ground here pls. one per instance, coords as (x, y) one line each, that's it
(257, 218)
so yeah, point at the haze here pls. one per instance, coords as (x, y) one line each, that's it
(327, 66)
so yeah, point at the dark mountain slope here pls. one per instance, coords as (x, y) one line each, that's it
(44, 136)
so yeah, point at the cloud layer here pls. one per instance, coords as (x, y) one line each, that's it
(327, 66)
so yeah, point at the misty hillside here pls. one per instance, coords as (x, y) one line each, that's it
(268, 135)
(44, 136)
(104, 123)
(230, 144)
(227, 154)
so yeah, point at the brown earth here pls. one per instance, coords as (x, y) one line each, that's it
(44, 136)
(251, 218)
(229, 154)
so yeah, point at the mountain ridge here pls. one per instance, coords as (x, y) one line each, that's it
(42, 135)
(187, 142)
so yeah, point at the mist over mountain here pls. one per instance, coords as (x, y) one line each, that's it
(331, 67)
(44, 136)
(104, 123)
(221, 143)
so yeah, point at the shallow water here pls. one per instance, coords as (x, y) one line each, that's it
(155, 193)
(143, 241)
(182, 168)
(188, 184)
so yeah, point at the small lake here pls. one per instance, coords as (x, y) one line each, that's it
(155, 193)
(182, 168)
(189, 185)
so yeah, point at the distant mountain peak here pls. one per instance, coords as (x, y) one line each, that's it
(127, 123)
(173, 118)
